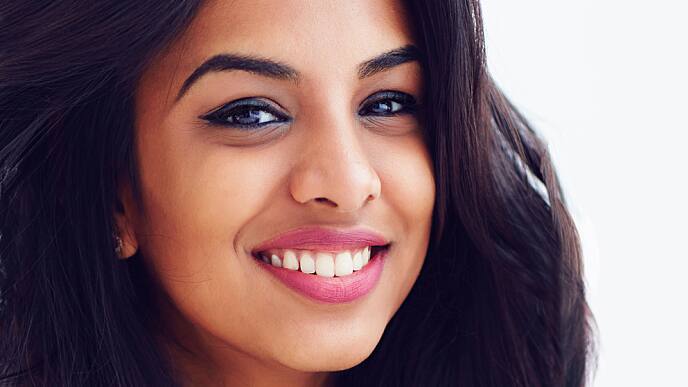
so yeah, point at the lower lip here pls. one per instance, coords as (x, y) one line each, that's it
(332, 290)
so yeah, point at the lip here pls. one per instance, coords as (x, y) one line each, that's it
(329, 290)
(332, 290)
(323, 239)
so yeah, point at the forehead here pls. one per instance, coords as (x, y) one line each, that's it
(313, 36)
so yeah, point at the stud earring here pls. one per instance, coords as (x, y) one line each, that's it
(118, 245)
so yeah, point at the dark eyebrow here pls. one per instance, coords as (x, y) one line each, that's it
(272, 69)
(229, 62)
(396, 57)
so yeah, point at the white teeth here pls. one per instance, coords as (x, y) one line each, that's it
(324, 264)
(343, 264)
(276, 261)
(357, 261)
(307, 263)
(290, 261)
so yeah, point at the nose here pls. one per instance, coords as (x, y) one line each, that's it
(333, 170)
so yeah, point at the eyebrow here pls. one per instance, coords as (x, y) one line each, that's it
(388, 60)
(273, 69)
(230, 62)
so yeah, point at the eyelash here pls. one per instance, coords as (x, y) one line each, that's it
(256, 107)
(251, 105)
(406, 102)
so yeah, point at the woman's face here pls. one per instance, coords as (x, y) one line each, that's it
(306, 123)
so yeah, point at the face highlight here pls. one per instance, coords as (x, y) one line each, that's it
(267, 117)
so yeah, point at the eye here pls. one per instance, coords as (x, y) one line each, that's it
(388, 103)
(247, 113)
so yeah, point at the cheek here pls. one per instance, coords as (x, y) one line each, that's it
(407, 178)
(197, 197)
(408, 190)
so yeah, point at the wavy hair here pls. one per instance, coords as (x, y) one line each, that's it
(500, 300)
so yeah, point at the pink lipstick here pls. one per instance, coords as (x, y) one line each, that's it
(323, 239)
(298, 274)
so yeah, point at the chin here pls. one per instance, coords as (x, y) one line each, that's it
(330, 355)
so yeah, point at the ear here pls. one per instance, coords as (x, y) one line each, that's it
(124, 214)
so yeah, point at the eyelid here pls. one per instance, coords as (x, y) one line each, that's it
(258, 102)
(261, 103)
(382, 94)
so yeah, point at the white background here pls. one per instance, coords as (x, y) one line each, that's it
(605, 82)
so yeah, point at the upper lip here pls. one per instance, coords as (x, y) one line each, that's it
(323, 239)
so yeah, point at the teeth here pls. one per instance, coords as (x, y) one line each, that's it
(276, 261)
(321, 263)
(307, 263)
(290, 261)
(357, 261)
(324, 264)
(343, 264)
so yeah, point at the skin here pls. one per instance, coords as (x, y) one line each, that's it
(211, 193)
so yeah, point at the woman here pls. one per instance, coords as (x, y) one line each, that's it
(275, 193)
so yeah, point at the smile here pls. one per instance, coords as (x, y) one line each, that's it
(325, 265)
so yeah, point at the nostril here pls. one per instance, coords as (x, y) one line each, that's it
(326, 200)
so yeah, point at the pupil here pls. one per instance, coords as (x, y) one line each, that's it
(247, 117)
(382, 107)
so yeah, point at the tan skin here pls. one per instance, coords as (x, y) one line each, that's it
(211, 193)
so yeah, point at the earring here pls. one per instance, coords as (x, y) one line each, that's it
(118, 245)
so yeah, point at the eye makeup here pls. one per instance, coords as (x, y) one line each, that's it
(247, 114)
(388, 103)
(252, 114)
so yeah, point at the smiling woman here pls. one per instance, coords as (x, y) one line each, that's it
(274, 193)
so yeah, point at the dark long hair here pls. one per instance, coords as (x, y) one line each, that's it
(499, 302)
